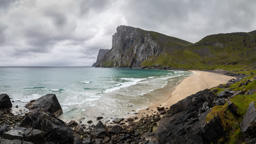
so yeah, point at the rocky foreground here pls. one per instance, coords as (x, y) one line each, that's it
(224, 114)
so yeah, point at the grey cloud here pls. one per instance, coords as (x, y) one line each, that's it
(189, 19)
(93, 5)
(2, 33)
(70, 32)
(5, 4)
(58, 18)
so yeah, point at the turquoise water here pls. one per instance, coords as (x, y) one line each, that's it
(87, 92)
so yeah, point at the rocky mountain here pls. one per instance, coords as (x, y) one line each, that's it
(137, 48)
(134, 48)
(101, 54)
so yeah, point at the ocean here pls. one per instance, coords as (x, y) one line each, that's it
(87, 92)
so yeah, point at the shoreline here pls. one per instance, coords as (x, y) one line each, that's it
(169, 95)
(141, 127)
(197, 81)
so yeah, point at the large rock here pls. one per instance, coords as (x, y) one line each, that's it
(16, 141)
(3, 128)
(55, 130)
(34, 135)
(99, 130)
(182, 124)
(48, 103)
(118, 120)
(225, 93)
(194, 100)
(115, 129)
(15, 133)
(248, 124)
(232, 108)
(213, 130)
(5, 101)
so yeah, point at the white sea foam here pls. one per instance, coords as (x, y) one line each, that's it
(131, 81)
(56, 90)
(85, 82)
(28, 98)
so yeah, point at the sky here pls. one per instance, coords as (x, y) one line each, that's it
(70, 32)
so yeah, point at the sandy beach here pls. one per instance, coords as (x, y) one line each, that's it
(198, 81)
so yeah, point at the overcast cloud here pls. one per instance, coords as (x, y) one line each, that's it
(70, 32)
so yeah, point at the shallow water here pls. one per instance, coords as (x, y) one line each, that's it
(87, 92)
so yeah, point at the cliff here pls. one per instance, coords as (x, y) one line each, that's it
(137, 48)
(134, 48)
(101, 54)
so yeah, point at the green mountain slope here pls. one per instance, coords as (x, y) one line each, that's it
(214, 51)
(137, 48)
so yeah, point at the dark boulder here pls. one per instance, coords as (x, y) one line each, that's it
(99, 130)
(213, 130)
(236, 93)
(205, 106)
(161, 110)
(194, 100)
(219, 101)
(55, 129)
(118, 120)
(88, 141)
(224, 94)
(15, 133)
(182, 123)
(247, 82)
(252, 91)
(72, 123)
(3, 128)
(77, 141)
(248, 124)
(48, 103)
(5, 101)
(89, 121)
(232, 108)
(16, 141)
(99, 118)
(115, 129)
(34, 135)
(129, 120)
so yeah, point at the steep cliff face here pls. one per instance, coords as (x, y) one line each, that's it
(101, 54)
(134, 48)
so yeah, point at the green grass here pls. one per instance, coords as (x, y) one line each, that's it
(231, 123)
(242, 102)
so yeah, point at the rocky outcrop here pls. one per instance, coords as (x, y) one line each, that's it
(5, 101)
(183, 122)
(54, 130)
(248, 124)
(101, 54)
(213, 130)
(133, 47)
(48, 103)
